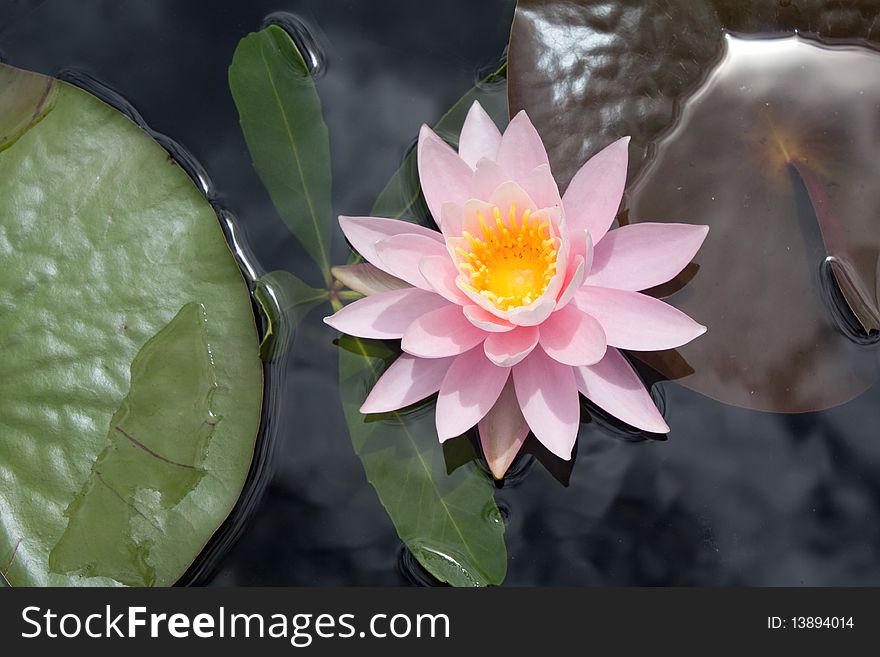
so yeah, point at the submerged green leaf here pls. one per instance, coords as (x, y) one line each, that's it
(450, 522)
(286, 301)
(156, 446)
(285, 132)
(103, 239)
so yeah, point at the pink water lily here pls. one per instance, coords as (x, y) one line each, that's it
(523, 299)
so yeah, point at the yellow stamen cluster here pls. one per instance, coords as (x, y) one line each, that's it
(513, 261)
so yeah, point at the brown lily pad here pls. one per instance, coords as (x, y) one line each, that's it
(771, 142)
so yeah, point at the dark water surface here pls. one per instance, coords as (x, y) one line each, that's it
(734, 497)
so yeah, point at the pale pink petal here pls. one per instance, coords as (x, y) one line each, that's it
(535, 313)
(366, 279)
(444, 176)
(365, 232)
(468, 392)
(510, 194)
(521, 148)
(548, 396)
(593, 195)
(450, 219)
(614, 386)
(485, 320)
(581, 244)
(440, 333)
(386, 315)
(542, 187)
(401, 256)
(576, 273)
(406, 381)
(636, 321)
(503, 431)
(643, 255)
(487, 178)
(573, 338)
(440, 273)
(472, 211)
(508, 349)
(479, 137)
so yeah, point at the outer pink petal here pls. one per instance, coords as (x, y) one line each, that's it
(521, 148)
(444, 176)
(573, 338)
(367, 279)
(401, 256)
(468, 392)
(548, 397)
(406, 381)
(613, 385)
(503, 432)
(487, 178)
(482, 318)
(643, 255)
(542, 187)
(636, 321)
(593, 195)
(365, 232)
(508, 349)
(440, 333)
(385, 316)
(440, 273)
(479, 137)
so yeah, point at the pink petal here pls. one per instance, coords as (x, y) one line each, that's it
(401, 256)
(487, 178)
(542, 187)
(614, 386)
(521, 148)
(450, 219)
(573, 338)
(470, 221)
(535, 313)
(548, 397)
(406, 381)
(386, 315)
(468, 392)
(508, 349)
(442, 332)
(365, 232)
(440, 273)
(636, 321)
(575, 275)
(479, 136)
(367, 279)
(503, 432)
(643, 255)
(593, 195)
(485, 320)
(510, 194)
(444, 176)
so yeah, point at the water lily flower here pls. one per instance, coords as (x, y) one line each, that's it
(523, 298)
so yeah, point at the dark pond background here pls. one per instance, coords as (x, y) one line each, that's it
(734, 497)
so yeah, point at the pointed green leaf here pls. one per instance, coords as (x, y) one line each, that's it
(450, 522)
(285, 132)
(103, 240)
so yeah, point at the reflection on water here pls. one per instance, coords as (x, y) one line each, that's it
(777, 153)
(733, 497)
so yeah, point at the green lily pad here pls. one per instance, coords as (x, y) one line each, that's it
(449, 521)
(132, 387)
(285, 132)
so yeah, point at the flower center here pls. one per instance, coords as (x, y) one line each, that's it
(512, 262)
